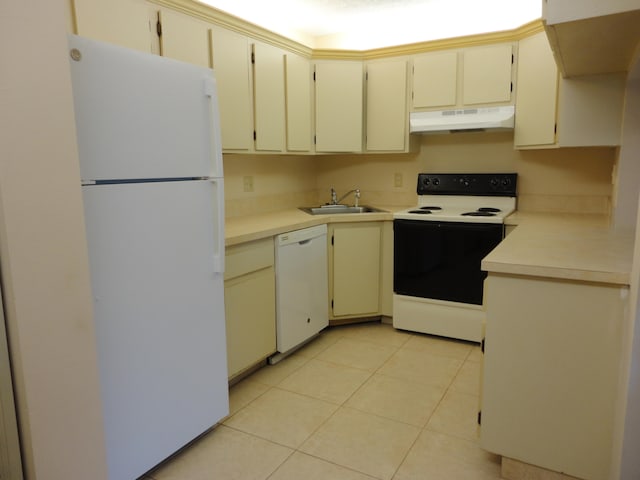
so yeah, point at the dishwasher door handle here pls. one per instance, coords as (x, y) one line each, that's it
(305, 242)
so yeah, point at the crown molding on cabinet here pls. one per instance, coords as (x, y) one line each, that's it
(231, 22)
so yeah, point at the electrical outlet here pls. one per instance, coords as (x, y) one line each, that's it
(397, 179)
(248, 183)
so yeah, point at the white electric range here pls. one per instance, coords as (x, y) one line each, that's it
(438, 247)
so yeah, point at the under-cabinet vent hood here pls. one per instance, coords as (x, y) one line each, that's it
(463, 120)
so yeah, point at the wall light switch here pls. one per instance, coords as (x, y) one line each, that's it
(397, 179)
(248, 183)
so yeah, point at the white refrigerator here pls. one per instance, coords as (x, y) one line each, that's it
(153, 192)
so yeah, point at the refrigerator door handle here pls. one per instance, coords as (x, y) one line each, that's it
(218, 222)
(210, 91)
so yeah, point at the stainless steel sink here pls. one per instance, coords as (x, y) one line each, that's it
(339, 209)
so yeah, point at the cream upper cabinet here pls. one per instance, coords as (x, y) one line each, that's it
(463, 77)
(339, 106)
(122, 22)
(487, 74)
(537, 93)
(232, 67)
(435, 80)
(564, 112)
(387, 106)
(298, 102)
(184, 38)
(269, 97)
(250, 325)
(354, 269)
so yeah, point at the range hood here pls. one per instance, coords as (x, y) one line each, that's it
(463, 120)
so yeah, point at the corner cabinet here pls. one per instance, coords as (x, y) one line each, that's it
(250, 304)
(550, 373)
(354, 269)
(339, 87)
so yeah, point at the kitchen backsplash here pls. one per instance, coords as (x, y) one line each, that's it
(576, 180)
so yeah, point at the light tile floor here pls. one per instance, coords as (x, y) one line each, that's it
(360, 402)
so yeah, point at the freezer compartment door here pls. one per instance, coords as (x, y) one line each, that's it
(142, 116)
(159, 314)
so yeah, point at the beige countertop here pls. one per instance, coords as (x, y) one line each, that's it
(254, 227)
(565, 246)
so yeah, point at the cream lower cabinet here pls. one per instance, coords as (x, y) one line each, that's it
(250, 309)
(550, 374)
(354, 269)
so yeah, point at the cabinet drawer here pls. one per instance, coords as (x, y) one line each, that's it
(248, 257)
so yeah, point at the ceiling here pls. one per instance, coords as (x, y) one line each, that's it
(366, 24)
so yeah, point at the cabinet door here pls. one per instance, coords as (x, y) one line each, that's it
(537, 93)
(551, 366)
(487, 74)
(268, 88)
(121, 22)
(184, 38)
(387, 106)
(435, 80)
(355, 269)
(250, 319)
(298, 103)
(231, 66)
(339, 102)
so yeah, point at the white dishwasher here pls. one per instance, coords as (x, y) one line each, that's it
(302, 308)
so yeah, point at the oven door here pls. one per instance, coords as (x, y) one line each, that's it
(441, 260)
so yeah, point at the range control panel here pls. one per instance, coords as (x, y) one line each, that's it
(490, 184)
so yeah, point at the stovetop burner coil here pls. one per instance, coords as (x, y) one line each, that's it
(478, 213)
(422, 212)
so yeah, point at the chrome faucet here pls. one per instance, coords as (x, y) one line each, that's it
(335, 200)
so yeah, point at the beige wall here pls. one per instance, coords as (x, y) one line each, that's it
(279, 182)
(43, 252)
(563, 180)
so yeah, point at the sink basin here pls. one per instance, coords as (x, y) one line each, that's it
(338, 209)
